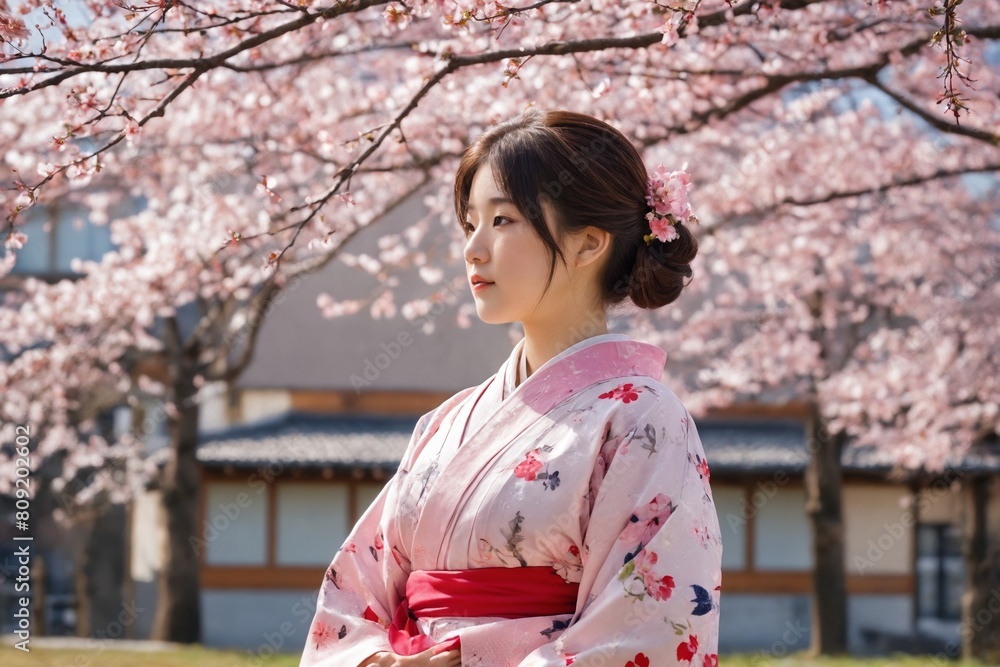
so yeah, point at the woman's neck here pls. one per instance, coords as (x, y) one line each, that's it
(540, 346)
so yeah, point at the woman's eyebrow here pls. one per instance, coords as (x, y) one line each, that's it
(492, 200)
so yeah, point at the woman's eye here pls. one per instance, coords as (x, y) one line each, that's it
(500, 217)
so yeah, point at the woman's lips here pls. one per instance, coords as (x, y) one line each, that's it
(480, 286)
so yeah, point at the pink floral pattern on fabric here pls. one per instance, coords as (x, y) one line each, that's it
(606, 484)
(647, 520)
(322, 635)
(625, 393)
(640, 580)
(529, 467)
(659, 588)
(529, 470)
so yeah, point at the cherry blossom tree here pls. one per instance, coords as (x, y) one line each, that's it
(254, 139)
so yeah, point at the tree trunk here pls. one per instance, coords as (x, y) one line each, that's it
(178, 611)
(103, 572)
(823, 506)
(981, 600)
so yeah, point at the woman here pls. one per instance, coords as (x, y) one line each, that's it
(560, 512)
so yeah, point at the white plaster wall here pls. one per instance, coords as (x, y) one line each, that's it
(147, 534)
(261, 623)
(940, 503)
(258, 404)
(771, 625)
(212, 413)
(879, 522)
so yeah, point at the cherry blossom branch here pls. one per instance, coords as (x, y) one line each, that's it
(857, 192)
(954, 37)
(940, 124)
(203, 63)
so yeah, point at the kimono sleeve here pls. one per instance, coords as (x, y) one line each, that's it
(359, 591)
(652, 556)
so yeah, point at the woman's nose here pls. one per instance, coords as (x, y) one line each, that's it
(475, 249)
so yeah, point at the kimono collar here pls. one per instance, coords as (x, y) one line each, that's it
(592, 360)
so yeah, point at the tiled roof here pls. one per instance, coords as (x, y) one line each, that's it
(304, 440)
(769, 446)
(311, 441)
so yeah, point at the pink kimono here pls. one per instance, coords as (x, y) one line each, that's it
(591, 467)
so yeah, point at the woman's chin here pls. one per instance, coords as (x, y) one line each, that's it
(490, 315)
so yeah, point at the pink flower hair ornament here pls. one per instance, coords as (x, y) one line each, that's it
(666, 194)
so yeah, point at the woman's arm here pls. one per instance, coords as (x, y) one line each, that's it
(425, 659)
(652, 555)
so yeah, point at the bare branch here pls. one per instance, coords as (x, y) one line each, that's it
(935, 121)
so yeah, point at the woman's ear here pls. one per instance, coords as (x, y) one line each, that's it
(590, 244)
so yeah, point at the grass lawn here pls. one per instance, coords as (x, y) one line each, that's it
(182, 657)
(202, 657)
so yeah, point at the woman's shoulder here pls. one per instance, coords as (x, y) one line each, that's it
(643, 397)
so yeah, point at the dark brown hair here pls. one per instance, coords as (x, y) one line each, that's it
(592, 175)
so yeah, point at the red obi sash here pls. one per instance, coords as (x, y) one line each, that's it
(507, 592)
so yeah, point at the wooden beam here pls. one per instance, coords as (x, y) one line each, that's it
(262, 577)
(790, 410)
(368, 402)
(801, 582)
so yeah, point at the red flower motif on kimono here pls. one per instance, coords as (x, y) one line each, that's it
(529, 467)
(703, 468)
(624, 392)
(570, 658)
(640, 660)
(686, 650)
(659, 588)
(711, 660)
(647, 520)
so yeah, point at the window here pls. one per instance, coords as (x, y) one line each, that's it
(58, 234)
(235, 525)
(782, 539)
(940, 571)
(312, 522)
(258, 531)
(729, 504)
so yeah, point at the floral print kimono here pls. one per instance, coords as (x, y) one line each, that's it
(589, 466)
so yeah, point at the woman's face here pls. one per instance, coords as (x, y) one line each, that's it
(502, 247)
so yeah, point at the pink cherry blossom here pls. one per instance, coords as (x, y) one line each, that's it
(647, 519)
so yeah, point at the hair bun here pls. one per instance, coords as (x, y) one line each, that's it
(660, 269)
